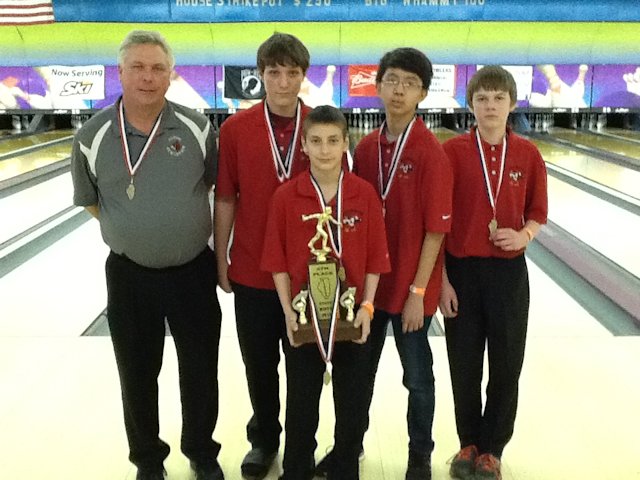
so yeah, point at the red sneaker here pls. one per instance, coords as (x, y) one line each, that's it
(463, 464)
(488, 467)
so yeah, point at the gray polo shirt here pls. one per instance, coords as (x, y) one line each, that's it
(168, 221)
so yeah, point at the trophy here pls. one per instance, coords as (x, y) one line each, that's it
(327, 302)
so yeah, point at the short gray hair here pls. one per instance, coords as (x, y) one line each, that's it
(145, 37)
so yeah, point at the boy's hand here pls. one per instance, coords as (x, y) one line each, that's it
(448, 301)
(509, 239)
(223, 277)
(413, 313)
(291, 321)
(362, 319)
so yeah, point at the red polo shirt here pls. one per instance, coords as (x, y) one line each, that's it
(522, 197)
(418, 202)
(246, 170)
(364, 245)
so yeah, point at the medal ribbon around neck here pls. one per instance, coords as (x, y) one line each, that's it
(492, 200)
(132, 169)
(283, 168)
(327, 353)
(395, 159)
(336, 243)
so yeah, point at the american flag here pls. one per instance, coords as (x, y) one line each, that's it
(26, 12)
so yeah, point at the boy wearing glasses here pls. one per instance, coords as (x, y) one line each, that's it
(408, 168)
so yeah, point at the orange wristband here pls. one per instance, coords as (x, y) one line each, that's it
(368, 306)
(416, 290)
(529, 233)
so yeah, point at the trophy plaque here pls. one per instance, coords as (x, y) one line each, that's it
(327, 302)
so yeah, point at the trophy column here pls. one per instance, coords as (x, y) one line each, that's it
(330, 306)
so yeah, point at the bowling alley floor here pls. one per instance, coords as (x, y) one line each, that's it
(61, 417)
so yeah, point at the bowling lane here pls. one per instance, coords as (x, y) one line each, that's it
(606, 173)
(59, 291)
(569, 319)
(609, 229)
(12, 167)
(29, 207)
(597, 141)
(11, 144)
(444, 134)
(623, 132)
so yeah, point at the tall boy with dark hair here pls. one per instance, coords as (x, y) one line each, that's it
(499, 202)
(260, 149)
(404, 161)
(358, 244)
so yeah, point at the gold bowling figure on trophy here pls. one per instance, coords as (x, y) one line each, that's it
(323, 218)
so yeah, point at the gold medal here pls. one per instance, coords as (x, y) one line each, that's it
(342, 275)
(326, 377)
(493, 226)
(131, 190)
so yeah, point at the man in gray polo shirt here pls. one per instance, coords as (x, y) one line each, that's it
(144, 168)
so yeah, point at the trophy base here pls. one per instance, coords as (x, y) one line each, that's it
(345, 331)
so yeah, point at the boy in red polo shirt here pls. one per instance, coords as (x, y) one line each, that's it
(499, 203)
(359, 244)
(260, 149)
(404, 161)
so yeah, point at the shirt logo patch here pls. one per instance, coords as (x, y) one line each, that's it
(350, 221)
(176, 147)
(514, 177)
(404, 170)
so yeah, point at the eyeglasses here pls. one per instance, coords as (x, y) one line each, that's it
(407, 84)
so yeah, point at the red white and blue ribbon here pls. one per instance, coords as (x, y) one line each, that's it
(336, 240)
(492, 199)
(385, 187)
(336, 244)
(283, 167)
(131, 168)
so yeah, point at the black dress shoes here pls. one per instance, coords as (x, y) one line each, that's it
(256, 463)
(209, 472)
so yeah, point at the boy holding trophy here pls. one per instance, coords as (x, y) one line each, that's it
(326, 247)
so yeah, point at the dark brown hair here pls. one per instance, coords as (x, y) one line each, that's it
(283, 49)
(492, 78)
(325, 115)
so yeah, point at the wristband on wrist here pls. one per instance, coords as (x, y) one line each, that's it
(529, 233)
(417, 290)
(368, 306)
